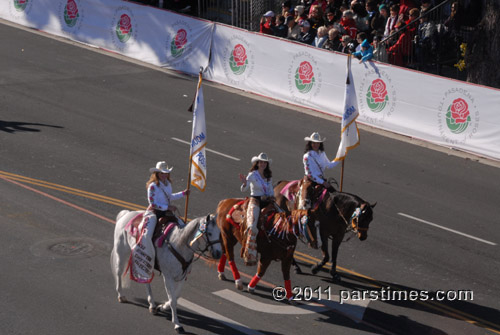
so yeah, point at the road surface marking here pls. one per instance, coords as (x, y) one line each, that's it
(217, 317)
(448, 229)
(215, 152)
(354, 309)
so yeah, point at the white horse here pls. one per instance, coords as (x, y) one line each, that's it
(174, 257)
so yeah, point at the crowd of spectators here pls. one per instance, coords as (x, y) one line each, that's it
(410, 33)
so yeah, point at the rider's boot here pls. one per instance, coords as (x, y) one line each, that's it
(253, 211)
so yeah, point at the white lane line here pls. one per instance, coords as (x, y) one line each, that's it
(268, 308)
(215, 152)
(217, 317)
(448, 229)
(352, 308)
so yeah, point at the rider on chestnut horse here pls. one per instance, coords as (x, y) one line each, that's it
(259, 179)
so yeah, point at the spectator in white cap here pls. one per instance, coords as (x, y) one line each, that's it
(267, 22)
(307, 34)
(160, 197)
(260, 181)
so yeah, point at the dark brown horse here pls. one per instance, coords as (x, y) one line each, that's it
(277, 239)
(337, 213)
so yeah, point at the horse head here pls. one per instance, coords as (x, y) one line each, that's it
(306, 223)
(361, 219)
(305, 194)
(208, 237)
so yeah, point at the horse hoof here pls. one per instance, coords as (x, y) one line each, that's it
(250, 289)
(122, 300)
(180, 330)
(222, 276)
(153, 310)
(238, 284)
(297, 271)
(292, 302)
(315, 269)
(336, 278)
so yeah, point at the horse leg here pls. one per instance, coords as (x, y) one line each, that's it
(261, 270)
(232, 263)
(285, 269)
(173, 289)
(335, 250)
(296, 267)
(221, 267)
(324, 249)
(118, 263)
(151, 301)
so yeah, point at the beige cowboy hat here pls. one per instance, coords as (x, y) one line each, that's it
(161, 167)
(315, 137)
(261, 157)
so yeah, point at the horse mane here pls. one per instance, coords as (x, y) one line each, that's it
(186, 232)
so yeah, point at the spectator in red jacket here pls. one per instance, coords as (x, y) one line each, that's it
(348, 23)
(266, 23)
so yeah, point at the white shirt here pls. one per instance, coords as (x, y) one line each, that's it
(315, 164)
(160, 196)
(258, 186)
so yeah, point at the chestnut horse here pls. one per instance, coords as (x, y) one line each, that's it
(337, 213)
(277, 241)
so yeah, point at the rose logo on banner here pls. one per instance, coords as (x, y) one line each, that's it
(178, 43)
(71, 14)
(458, 116)
(238, 61)
(377, 97)
(124, 28)
(304, 77)
(20, 5)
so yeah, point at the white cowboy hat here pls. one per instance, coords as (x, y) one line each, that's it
(161, 167)
(315, 137)
(261, 157)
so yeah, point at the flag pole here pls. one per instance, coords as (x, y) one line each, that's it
(191, 108)
(347, 82)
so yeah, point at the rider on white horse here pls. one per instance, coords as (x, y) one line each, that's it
(160, 196)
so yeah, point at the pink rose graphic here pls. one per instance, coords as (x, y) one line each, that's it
(72, 9)
(378, 90)
(21, 2)
(125, 24)
(306, 73)
(180, 38)
(239, 55)
(459, 110)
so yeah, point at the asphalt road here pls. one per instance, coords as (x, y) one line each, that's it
(80, 129)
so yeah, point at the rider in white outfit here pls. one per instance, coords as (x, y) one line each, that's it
(259, 180)
(316, 162)
(160, 197)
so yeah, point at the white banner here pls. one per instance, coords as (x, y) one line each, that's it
(446, 112)
(153, 36)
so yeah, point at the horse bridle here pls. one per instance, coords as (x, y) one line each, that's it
(202, 229)
(353, 227)
(201, 233)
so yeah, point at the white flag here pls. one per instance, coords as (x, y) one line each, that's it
(199, 142)
(349, 137)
